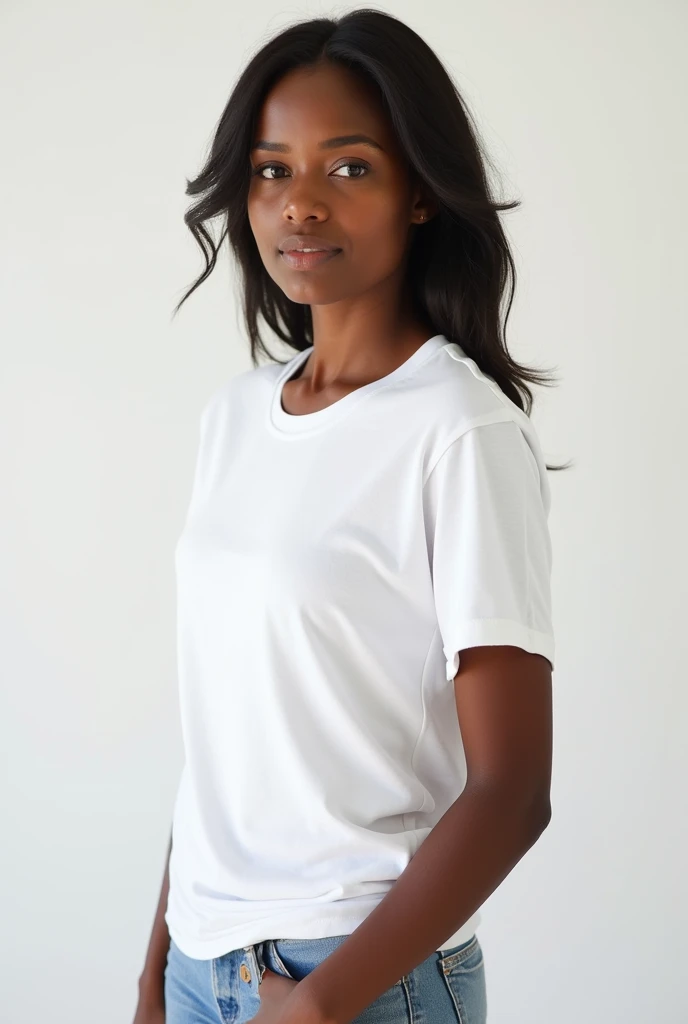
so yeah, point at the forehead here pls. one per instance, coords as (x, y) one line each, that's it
(309, 105)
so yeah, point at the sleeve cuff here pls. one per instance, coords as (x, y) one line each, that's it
(489, 632)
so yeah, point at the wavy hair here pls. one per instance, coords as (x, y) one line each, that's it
(461, 272)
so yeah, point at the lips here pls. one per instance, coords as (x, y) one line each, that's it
(299, 260)
(297, 243)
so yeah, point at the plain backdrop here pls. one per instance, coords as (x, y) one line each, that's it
(106, 108)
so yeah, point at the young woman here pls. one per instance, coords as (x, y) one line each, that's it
(365, 637)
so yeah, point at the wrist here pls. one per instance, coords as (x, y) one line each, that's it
(306, 1006)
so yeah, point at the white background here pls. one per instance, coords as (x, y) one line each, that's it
(106, 108)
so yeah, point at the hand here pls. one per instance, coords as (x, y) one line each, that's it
(281, 1002)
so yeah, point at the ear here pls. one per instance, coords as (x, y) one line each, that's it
(423, 207)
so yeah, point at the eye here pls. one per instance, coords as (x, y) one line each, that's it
(258, 171)
(360, 167)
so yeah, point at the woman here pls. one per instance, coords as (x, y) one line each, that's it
(365, 638)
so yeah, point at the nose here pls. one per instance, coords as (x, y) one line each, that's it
(299, 213)
(302, 204)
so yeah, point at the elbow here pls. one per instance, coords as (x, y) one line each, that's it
(533, 809)
(529, 810)
(540, 815)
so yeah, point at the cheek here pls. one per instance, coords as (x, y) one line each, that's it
(253, 212)
(260, 212)
(263, 227)
(376, 223)
(380, 244)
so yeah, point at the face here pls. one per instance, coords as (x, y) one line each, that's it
(356, 195)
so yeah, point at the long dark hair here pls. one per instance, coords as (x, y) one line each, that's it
(460, 266)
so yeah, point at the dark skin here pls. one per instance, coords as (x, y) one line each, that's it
(364, 329)
(503, 701)
(358, 197)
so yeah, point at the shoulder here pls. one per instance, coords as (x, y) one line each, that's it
(464, 397)
(474, 415)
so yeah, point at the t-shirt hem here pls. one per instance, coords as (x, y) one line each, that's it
(315, 928)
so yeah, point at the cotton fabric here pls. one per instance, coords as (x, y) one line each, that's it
(330, 570)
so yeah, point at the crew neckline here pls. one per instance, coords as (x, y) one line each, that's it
(294, 423)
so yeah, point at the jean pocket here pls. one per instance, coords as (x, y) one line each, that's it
(463, 970)
(296, 958)
(467, 955)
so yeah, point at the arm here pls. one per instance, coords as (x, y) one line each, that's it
(152, 978)
(503, 697)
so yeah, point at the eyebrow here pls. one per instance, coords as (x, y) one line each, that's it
(335, 143)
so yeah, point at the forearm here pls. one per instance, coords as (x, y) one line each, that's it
(461, 862)
(152, 978)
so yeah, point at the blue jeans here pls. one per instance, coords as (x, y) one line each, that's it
(447, 988)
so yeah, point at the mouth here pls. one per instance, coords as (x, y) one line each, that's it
(298, 259)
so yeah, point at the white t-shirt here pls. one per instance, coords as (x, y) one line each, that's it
(331, 568)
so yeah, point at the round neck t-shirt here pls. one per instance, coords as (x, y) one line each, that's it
(330, 570)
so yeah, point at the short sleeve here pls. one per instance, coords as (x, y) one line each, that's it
(486, 502)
